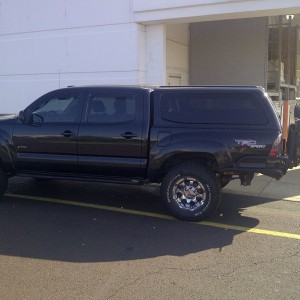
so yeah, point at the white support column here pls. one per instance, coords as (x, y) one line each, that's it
(156, 55)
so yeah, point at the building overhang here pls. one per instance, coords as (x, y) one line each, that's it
(188, 11)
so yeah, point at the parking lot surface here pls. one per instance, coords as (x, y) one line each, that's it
(74, 240)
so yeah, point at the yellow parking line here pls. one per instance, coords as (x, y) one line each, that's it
(91, 205)
(161, 216)
(253, 230)
(295, 198)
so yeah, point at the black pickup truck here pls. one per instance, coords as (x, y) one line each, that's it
(192, 140)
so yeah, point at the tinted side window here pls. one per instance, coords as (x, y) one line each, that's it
(212, 108)
(111, 109)
(59, 109)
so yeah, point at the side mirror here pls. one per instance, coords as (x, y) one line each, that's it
(32, 119)
(37, 119)
(24, 117)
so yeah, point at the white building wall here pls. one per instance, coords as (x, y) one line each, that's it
(49, 44)
(187, 11)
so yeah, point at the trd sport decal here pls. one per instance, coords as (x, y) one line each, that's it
(249, 143)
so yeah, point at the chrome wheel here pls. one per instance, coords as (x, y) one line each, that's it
(189, 193)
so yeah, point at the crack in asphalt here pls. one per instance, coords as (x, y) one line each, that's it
(232, 271)
(264, 188)
(130, 284)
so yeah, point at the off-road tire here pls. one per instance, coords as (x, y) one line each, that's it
(191, 191)
(3, 182)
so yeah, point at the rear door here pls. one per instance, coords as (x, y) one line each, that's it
(111, 135)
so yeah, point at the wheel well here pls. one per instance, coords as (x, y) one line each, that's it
(203, 158)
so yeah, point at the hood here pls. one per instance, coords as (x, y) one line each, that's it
(7, 122)
(4, 117)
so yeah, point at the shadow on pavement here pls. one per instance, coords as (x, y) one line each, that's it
(50, 231)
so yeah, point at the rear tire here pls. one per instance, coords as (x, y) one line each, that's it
(3, 182)
(191, 191)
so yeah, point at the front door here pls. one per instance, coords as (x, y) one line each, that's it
(48, 143)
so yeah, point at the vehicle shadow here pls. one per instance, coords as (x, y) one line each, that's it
(52, 231)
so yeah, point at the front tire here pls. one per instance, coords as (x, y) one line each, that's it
(3, 182)
(191, 192)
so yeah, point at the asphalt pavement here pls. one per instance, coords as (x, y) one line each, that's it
(75, 240)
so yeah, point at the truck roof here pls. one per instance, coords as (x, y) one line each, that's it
(183, 88)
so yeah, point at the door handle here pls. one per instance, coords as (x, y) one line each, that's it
(128, 135)
(68, 133)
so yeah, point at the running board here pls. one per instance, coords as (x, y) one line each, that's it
(86, 178)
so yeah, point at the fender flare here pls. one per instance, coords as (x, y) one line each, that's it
(158, 155)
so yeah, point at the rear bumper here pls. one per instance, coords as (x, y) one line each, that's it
(272, 167)
(276, 167)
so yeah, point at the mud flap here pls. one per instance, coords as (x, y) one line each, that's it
(293, 142)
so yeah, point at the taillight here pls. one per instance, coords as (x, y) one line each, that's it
(277, 147)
